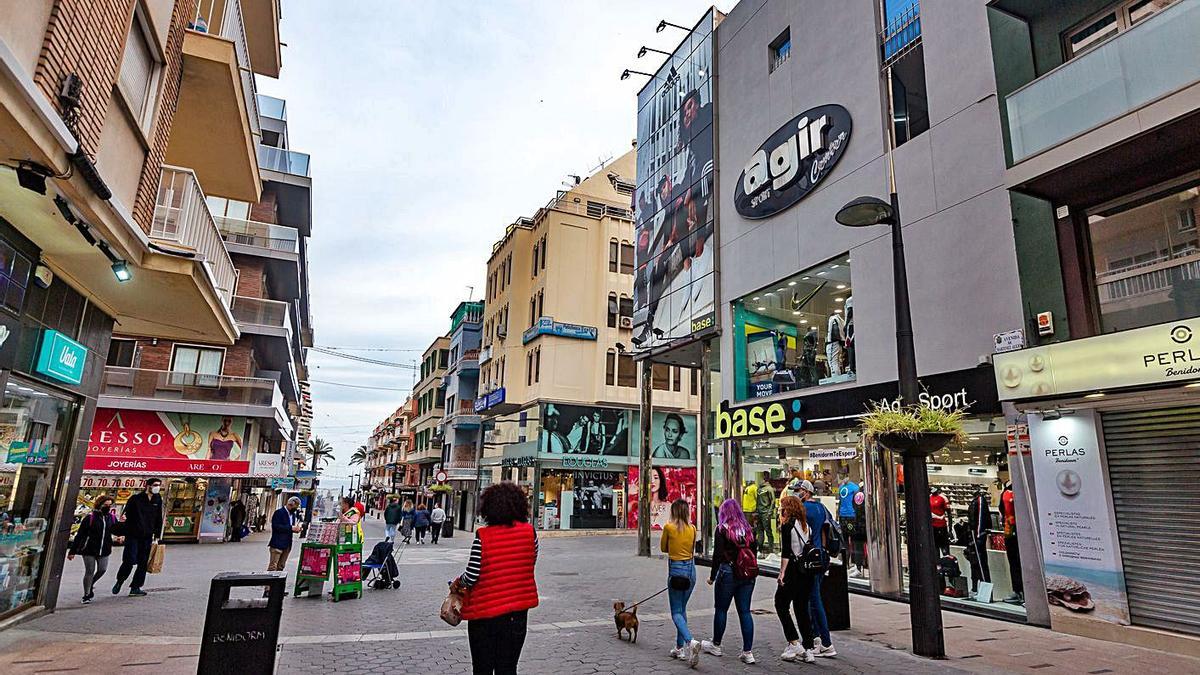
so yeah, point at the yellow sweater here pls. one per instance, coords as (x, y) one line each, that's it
(677, 544)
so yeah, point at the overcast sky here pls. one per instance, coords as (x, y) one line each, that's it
(431, 126)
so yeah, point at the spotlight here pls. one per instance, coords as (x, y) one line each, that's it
(121, 269)
(638, 340)
(644, 50)
(625, 74)
(621, 347)
(662, 25)
(658, 333)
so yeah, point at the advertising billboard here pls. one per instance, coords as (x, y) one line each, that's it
(674, 290)
(148, 442)
(586, 430)
(666, 485)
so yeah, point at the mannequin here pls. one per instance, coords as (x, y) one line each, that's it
(835, 332)
(808, 358)
(938, 505)
(1012, 551)
(764, 531)
(750, 501)
(978, 522)
(849, 337)
(855, 535)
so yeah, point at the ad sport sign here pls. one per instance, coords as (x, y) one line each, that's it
(793, 161)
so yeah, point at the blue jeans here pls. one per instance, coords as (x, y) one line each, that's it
(390, 531)
(727, 589)
(679, 599)
(816, 609)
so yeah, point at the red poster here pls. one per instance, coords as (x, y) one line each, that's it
(314, 562)
(349, 567)
(148, 442)
(667, 484)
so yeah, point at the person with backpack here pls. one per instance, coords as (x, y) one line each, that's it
(94, 541)
(734, 570)
(825, 538)
(795, 580)
(421, 522)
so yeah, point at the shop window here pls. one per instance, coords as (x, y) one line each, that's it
(796, 333)
(626, 371)
(780, 49)
(613, 255)
(1146, 256)
(121, 353)
(196, 366)
(661, 376)
(613, 310)
(610, 368)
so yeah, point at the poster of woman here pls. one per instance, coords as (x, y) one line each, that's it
(666, 485)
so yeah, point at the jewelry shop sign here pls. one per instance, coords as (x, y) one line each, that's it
(147, 442)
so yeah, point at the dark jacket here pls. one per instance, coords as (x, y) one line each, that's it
(95, 534)
(143, 516)
(407, 514)
(393, 514)
(725, 551)
(281, 529)
(421, 518)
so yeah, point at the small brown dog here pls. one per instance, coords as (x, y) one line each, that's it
(626, 620)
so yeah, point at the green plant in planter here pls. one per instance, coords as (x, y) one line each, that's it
(912, 421)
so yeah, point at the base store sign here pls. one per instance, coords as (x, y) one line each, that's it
(1084, 574)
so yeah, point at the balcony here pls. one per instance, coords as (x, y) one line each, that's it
(1121, 76)
(1136, 285)
(250, 237)
(165, 391)
(468, 362)
(462, 469)
(263, 317)
(283, 161)
(464, 416)
(216, 129)
(262, 36)
(183, 223)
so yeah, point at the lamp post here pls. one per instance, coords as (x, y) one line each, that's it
(925, 611)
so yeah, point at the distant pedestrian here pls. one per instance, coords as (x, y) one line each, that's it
(820, 522)
(436, 517)
(392, 516)
(94, 541)
(407, 515)
(795, 583)
(284, 526)
(679, 543)
(734, 570)
(237, 519)
(421, 522)
(500, 575)
(141, 523)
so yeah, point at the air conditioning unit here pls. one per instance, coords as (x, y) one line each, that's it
(626, 322)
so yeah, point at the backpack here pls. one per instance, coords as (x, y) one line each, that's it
(745, 563)
(833, 543)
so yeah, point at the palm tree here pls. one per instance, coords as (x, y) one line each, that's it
(359, 456)
(321, 450)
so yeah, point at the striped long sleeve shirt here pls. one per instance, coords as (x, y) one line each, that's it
(471, 576)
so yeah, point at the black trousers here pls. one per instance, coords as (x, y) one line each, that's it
(941, 539)
(496, 643)
(979, 566)
(793, 595)
(764, 534)
(421, 532)
(136, 554)
(1013, 551)
(435, 531)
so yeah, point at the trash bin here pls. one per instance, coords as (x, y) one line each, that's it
(835, 595)
(447, 529)
(241, 634)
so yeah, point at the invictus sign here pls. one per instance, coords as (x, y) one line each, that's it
(792, 161)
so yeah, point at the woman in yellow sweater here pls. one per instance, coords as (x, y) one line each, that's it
(679, 542)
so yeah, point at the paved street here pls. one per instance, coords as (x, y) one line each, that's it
(570, 632)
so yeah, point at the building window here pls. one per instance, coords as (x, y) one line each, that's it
(138, 79)
(662, 376)
(532, 311)
(541, 302)
(121, 353)
(796, 333)
(544, 250)
(693, 381)
(528, 368)
(626, 258)
(626, 371)
(610, 368)
(676, 378)
(537, 365)
(14, 278)
(613, 254)
(1147, 260)
(904, 56)
(508, 270)
(612, 310)
(536, 250)
(780, 49)
(197, 366)
(625, 309)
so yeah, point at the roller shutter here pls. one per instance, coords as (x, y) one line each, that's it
(1154, 469)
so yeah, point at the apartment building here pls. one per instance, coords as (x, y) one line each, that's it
(386, 449)
(558, 386)
(426, 451)
(461, 427)
(98, 101)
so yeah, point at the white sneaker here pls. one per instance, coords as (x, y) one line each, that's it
(693, 653)
(791, 652)
(709, 647)
(747, 657)
(806, 656)
(824, 651)
(678, 653)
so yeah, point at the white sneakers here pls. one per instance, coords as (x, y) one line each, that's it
(796, 652)
(693, 651)
(823, 650)
(679, 653)
(710, 648)
(747, 657)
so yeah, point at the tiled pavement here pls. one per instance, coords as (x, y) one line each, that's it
(570, 632)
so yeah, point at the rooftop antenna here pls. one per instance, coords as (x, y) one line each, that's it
(470, 293)
(603, 161)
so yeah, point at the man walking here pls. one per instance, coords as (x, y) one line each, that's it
(437, 517)
(142, 520)
(283, 528)
(392, 516)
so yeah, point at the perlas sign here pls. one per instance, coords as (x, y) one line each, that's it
(793, 161)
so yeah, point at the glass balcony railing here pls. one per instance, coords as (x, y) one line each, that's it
(261, 235)
(262, 313)
(189, 387)
(282, 161)
(181, 217)
(1128, 71)
(274, 108)
(223, 18)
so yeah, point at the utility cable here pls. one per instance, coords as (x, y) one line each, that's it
(363, 359)
(358, 386)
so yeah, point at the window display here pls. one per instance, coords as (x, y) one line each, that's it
(573, 500)
(796, 333)
(34, 426)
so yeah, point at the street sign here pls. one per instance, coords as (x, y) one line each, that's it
(1010, 341)
(440, 476)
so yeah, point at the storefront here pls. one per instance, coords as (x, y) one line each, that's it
(1115, 459)
(814, 436)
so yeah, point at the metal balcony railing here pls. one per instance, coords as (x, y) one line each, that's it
(192, 387)
(223, 18)
(1146, 62)
(181, 217)
(1145, 280)
(282, 161)
(261, 312)
(262, 235)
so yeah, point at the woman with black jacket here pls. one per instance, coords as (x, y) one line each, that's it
(94, 541)
(795, 582)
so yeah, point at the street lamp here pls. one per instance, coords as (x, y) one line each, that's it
(925, 610)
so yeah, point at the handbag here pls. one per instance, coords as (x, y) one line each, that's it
(158, 552)
(680, 583)
(451, 611)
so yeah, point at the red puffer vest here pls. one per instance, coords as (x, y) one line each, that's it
(506, 582)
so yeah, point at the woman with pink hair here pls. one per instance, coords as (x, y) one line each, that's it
(734, 569)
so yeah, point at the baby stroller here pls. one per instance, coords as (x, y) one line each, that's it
(380, 570)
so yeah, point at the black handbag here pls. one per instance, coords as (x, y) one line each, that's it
(680, 583)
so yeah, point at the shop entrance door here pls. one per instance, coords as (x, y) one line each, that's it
(1154, 468)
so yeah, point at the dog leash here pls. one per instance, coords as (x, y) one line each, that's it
(628, 609)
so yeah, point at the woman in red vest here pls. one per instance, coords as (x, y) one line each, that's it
(499, 582)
